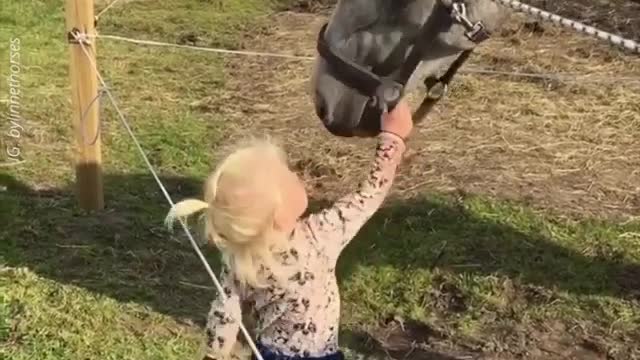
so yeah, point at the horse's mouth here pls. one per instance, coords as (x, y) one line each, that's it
(353, 117)
(339, 131)
(365, 133)
(358, 131)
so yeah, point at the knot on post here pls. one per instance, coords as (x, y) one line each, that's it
(75, 36)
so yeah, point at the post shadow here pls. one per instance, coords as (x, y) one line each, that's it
(123, 252)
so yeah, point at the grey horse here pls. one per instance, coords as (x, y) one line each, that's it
(379, 35)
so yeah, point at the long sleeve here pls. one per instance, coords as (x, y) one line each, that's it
(334, 227)
(223, 321)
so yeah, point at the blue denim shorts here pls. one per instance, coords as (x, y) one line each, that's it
(271, 355)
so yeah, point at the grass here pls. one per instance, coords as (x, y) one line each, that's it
(469, 273)
(474, 266)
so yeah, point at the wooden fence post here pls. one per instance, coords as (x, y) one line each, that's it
(85, 105)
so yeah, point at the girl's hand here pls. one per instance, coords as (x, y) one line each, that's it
(399, 120)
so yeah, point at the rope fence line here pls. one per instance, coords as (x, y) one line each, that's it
(547, 76)
(207, 49)
(572, 24)
(565, 77)
(106, 9)
(84, 40)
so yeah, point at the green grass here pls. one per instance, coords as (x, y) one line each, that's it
(116, 285)
(501, 266)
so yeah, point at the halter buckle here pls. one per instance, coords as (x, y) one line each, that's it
(476, 32)
(387, 95)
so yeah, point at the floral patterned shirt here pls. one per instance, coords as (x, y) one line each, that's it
(302, 318)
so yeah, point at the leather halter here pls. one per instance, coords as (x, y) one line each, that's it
(385, 92)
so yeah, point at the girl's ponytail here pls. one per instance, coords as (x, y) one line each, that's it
(184, 209)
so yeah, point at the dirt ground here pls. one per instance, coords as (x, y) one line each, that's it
(567, 145)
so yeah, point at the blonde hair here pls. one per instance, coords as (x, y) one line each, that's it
(241, 198)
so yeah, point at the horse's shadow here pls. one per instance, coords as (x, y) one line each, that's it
(125, 253)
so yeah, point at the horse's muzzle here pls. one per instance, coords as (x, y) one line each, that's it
(368, 125)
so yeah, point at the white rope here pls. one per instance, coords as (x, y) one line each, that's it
(199, 48)
(572, 24)
(82, 39)
(560, 77)
(563, 77)
(106, 9)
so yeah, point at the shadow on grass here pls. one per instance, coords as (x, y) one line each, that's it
(125, 253)
(475, 236)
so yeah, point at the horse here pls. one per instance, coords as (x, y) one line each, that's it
(372, 52)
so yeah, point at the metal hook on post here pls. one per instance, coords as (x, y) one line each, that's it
(101, 92)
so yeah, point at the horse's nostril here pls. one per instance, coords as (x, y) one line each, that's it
(321, 110)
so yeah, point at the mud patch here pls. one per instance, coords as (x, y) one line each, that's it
(629, 281)
(448, 297)
(397, 338)
(558, 344)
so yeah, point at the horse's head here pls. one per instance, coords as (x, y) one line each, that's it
(380, 37)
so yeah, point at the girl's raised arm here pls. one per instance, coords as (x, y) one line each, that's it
(334, 227)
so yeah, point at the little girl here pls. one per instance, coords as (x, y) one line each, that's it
(281, 266)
